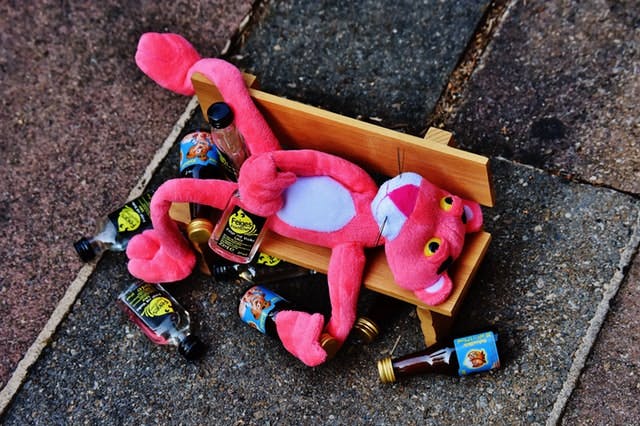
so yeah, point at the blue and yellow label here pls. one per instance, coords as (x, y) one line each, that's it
(255, 306)
(197, 148)
(477, 353)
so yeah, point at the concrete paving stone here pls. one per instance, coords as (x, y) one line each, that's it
(540, 284)
(79, 123)
(367, 59)
(558, 90)
(612, 370)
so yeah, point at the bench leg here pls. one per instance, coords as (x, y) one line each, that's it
(434, 326)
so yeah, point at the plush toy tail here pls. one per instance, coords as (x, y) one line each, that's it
(166, 59)
(170, 61)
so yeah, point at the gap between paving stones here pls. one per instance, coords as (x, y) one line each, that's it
(70, 296)
(595, 325)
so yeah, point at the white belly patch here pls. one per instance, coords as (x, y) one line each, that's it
(317, 203)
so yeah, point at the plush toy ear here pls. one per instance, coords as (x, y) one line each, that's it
(473, 216)
(394, 203)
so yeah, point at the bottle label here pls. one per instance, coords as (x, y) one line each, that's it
(133, 217)
(477, 353)
(267, 260)
(255, 306)
(197, 148)
(241, 232)
(149, 303)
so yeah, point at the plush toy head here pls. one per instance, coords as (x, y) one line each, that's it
(424, 228)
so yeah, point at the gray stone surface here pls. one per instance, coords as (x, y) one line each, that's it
(609, 386)
(381, 62)
(560, 247)
(558, 90)
(79, 123)
(541, 297)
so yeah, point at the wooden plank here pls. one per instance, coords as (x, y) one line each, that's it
(377, 275)
(374, 148)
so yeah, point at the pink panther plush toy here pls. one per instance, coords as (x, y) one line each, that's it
(310, 196)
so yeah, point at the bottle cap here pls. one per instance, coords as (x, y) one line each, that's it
(385, 370)
(223, 272)
(329, 344)
(366, 329)
(220, 115)
(199, 230)
(84, 249)
(191, 347)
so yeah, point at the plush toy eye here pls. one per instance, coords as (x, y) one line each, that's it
(432, 246)
(446, 203)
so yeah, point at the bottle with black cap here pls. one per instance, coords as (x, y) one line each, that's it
(116, 229)
(199, 159)
(262, 269)
(160, 317)
(231, 146)
(259, 308)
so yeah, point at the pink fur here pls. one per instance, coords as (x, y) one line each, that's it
(409, 212)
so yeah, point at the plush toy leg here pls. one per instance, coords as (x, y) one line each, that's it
(345, 278)
(300, 332)
(162, 254)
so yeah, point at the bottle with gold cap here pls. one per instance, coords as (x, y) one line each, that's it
(458, 357)
(199, 159)
(259, 307)
(381, 312)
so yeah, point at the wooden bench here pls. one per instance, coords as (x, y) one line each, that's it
(377, 150)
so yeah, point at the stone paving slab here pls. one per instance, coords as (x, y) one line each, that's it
(368, 59)
(79, 124)
(560, 93)
(612, 370)
(541, 297)
(558, 90)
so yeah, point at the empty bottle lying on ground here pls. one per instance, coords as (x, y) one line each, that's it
(458, 357)
(116, 229)
(262, 269)
(160, 317)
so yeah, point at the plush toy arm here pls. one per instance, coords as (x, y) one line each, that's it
(162, 254)
(261, 184)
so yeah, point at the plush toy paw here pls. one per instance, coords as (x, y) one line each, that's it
(300, 332)
(261, 185)
(150, 261)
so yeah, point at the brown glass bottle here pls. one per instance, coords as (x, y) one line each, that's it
(382, 310)
(460, 357)
(199, 159)
(259, 308)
